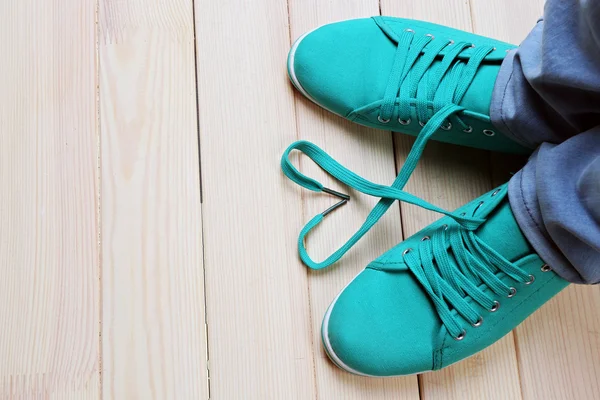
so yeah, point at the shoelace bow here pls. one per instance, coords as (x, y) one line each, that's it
(435, 93)
(415, 81)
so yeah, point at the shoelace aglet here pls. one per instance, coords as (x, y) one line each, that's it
(333, 207)
(345, 198)
(337, 194)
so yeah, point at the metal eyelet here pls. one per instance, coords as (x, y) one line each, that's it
(461, 335)
(383, 121)
(404, 121)
(405, 252)
(430, 35)
(472, 46)
(425, 238)
(546, 268)
(531, 280)
(451, 42)
(495, 307)
(478, 323)
(488, 132)
(494, 49)
(421, 123)
(468, 130)
(445, 227)
(496, 192)
(447, 127)
(409, 30)
(478, 205)
(513, 291)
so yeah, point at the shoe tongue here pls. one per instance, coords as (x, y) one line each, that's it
(477, 98)
(502, 233)
(479, 94)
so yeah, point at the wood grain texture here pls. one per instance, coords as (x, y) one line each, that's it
(368, 152)
(558, 346)
(260, 333)
(450, 176)
(110, 198)
(48, 205)
(153, 326)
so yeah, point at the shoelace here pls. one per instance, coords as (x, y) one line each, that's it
(446, 279)
(388, 194)
(411, 65)
(436, 94)
(415, 81)
(476, 263)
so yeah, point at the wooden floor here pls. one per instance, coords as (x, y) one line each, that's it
(148, 236)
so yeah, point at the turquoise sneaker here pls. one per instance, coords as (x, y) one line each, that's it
(440, 296)
(397, 74)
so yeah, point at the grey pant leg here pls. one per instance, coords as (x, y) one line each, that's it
(549, 88)
(548, 94)
(556, 201)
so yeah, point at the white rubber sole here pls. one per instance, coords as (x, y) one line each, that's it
(291, 69)
(327, 344)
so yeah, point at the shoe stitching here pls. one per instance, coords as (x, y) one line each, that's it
(440, 360)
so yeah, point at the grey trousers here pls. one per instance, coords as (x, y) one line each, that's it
(547, 97)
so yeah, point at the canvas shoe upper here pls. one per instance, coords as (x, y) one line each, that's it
(442, 295)
(396, 74)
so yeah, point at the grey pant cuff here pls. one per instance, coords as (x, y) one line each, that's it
(525, 207)
(497, 109)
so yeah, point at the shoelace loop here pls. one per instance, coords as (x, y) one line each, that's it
(387, 195)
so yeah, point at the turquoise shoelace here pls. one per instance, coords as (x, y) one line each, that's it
(446, 279)
(475, 263)
(435, 93)
(411, 75)
(416, 81)
(387, 194)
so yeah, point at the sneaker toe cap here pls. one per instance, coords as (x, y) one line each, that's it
(339, 66)
(382, 324)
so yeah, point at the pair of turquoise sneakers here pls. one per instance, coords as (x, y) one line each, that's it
(463, 282)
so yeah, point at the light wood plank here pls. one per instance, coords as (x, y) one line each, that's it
(48, 208)
(450, 176)
(368, 152)
(91, 391)
(507, 20)
(558, 345)
(260, 333)
(153, 328)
